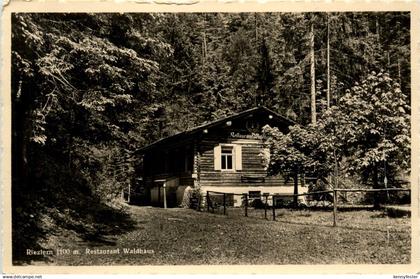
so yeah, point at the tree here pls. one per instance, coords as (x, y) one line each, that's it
(312, 55)
(369, 132)
(90, 89)
(304, 150)
(80, 82)
(372, 122)
(264, 76)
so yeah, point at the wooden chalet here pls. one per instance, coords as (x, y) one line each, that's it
(226, 155)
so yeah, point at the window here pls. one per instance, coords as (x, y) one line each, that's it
(254, 194)
(227, 158)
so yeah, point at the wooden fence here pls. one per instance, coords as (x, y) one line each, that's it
(222, 201)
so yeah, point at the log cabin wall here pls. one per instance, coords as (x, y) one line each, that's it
(253, 171)
(169, 161)
(225, 155)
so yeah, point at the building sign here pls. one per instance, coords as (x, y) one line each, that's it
(247, 136)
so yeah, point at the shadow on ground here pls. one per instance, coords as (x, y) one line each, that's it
(75, 215)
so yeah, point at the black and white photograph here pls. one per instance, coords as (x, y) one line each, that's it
(211, 138)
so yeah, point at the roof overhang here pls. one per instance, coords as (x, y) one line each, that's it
(198, 129)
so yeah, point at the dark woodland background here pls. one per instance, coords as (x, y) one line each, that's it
(90, 89)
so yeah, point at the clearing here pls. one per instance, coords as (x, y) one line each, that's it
(183, 236)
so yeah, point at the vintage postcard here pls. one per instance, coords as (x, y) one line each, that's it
(210, 137)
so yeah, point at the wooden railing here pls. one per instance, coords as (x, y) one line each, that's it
(212, 204)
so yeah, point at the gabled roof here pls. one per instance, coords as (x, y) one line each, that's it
(217, 122)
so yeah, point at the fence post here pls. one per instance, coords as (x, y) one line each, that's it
(199, 198)
(208, 201)
(265, 206)
(224, 203)
(274, 210)
(164, 196)
(246, 205)
(335, 208)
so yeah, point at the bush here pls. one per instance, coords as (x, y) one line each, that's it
(257, 204)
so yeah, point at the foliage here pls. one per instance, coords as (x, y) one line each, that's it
(76, 97)
(89, 89)
(368, 132)
(303, 150)
(372, 123)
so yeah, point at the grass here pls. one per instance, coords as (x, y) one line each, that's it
(183, 236)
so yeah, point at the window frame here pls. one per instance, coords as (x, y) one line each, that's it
(223, 157)
(236, 157)
(232, 148)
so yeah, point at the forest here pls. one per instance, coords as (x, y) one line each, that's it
(88, 90)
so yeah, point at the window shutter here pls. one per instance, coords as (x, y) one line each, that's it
(238, 157)
(217, 157)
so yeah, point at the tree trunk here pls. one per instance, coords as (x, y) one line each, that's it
(295, 188)
(313, 96)
(204, 47)
(399, 71)
(256, 27)
(328, 63)
(376, 196)
(22, 140)
(377, 30)
(335, 170)
(21, 131)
